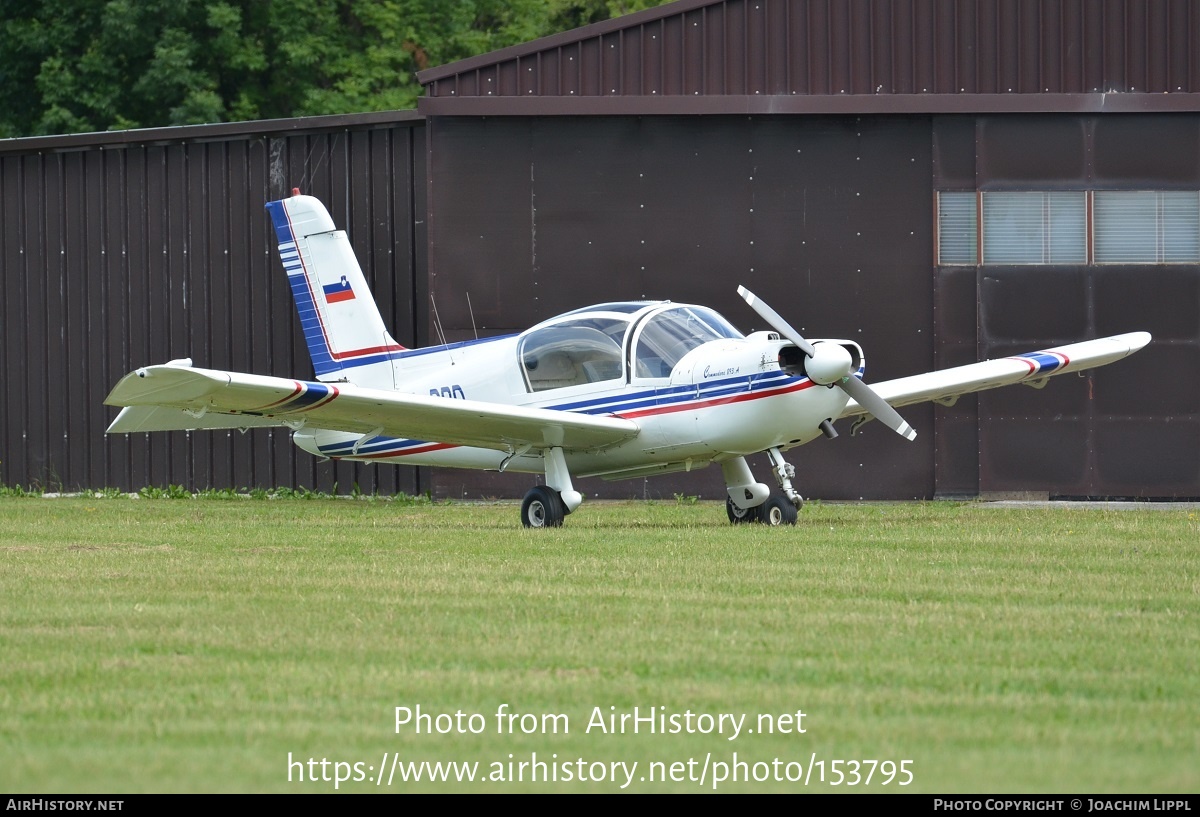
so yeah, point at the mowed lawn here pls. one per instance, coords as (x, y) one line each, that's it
(176, 645)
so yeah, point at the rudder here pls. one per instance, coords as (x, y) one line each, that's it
(346, 336)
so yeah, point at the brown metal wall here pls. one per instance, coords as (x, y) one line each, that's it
(129, 249)
(828, 219)
(884, 61)
(1132, 429)
(834, 47)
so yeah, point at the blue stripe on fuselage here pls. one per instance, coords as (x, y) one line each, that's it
(606, 406)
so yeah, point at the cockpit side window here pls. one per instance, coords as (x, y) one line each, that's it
(573, 353)
(668, 336)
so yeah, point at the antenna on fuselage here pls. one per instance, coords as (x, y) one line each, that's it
(437, 324)
(472, 311)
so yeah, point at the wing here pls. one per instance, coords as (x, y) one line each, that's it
(206, 398)
(1032, 369)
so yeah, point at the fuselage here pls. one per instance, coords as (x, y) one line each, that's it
(699, 390)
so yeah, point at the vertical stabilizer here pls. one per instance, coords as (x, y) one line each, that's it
(346, 336)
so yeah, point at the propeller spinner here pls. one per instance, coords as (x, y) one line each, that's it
(826, 366)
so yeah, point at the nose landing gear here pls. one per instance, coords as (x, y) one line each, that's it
(748, 501)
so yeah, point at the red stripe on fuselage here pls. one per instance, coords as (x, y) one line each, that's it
(373, 350)
(715, 401)
(701, 404)
(424, 449)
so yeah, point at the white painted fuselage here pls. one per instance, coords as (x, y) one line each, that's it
(725, 398)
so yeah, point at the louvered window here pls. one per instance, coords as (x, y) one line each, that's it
(1035, 227)
(958, 241)
(1147, 227)
(1068, 228)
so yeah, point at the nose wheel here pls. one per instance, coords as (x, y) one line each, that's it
(777, 510)
(773, 509)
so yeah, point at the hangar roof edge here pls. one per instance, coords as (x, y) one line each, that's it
(920, 54)
(214, 131)
(558, 40)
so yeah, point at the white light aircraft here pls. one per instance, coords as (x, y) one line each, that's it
(617, 390)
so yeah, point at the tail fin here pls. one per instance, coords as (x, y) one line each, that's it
(346, 336)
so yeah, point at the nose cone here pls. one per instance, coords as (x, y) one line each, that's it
(830, 363)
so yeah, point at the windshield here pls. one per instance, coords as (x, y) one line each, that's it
(668, 336)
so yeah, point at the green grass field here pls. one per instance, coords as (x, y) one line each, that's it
(160, 645)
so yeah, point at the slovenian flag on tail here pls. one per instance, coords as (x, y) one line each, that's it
(341, 291)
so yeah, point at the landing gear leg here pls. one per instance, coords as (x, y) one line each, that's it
(744, 497)
(784, 472)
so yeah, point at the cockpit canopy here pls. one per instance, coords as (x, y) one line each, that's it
(593, 345)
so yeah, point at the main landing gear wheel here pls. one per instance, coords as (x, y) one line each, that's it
(739, 516)
(542, 508)
(777, 510)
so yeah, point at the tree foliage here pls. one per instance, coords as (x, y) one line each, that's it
(88, 65)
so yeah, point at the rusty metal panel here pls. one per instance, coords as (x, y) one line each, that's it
(954, 153)
(841, 57)
(1089, 435)
(1183, 64)
(15, 352)
(119, 251)
(956, 445)
(1006, 160)
(856, 49)
(816, 47)
(1156, 451)
(1071, 62)
(820, 216)
(1154, 150)
(1097, 434)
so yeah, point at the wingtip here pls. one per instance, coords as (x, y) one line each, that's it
(1139, 340)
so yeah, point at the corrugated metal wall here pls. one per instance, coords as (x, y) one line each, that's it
(128, 249)
(833, 47)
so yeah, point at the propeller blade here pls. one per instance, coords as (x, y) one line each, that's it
(875, 404)
(854, 387)
(772, 317)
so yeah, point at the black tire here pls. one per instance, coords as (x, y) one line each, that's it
(778, 510)
(542, 508)
(737, 516)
